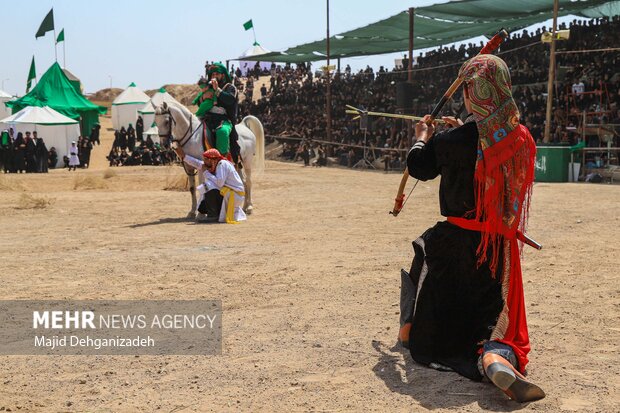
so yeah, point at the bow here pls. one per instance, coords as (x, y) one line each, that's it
(493, 44)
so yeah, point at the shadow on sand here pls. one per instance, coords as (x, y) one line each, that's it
(434, 389)
(162, 221)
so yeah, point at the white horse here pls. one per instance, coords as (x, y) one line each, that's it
(187, 130)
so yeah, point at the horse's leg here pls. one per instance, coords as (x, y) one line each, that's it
(247, 207)
(192, 190)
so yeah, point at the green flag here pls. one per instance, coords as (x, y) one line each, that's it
(46, 25)
(61, 36)
(32, 74)
(248, 25)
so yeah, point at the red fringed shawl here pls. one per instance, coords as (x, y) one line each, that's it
(503, 178)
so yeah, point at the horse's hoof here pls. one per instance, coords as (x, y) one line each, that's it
(191, 215)
(248, 210)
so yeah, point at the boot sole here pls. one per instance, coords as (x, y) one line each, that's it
(514, 386)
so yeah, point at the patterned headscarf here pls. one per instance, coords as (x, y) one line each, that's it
(506, 154)
(213, 154)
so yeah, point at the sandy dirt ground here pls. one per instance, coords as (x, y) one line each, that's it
(310, 292)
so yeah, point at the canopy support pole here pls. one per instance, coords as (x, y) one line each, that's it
(547, 136)
(329, 88)
(410, 71)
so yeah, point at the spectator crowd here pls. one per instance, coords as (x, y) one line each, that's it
(26, 152)
(130, 148)
(293, 103)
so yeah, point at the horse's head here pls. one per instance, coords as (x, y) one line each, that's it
(163, 120)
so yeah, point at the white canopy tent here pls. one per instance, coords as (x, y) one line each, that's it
(4, 111)
(56, 129)
(148, 112)
(255, 50)
(126, 105)
(153, 131)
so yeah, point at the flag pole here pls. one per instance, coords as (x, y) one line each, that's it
(64, 52)
(254, 31)
(55, 51)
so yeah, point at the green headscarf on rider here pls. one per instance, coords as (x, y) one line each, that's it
(219, 68)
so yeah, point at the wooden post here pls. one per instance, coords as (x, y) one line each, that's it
(410, 70)
(329, 88)
(547, 137)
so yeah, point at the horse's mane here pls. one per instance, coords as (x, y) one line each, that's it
(177, 105)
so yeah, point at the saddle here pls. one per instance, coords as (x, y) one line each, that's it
(208, 142)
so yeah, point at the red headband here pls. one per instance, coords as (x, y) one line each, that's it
(213, 154)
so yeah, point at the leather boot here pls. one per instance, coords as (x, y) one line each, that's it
(509, 380)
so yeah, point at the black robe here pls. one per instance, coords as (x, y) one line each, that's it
(456, 303)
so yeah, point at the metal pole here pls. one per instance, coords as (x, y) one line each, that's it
(55, 51)
(329, 88)
(547, 137)
(410, 70)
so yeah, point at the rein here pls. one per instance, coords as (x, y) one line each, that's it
(183, 141)
(188, 133)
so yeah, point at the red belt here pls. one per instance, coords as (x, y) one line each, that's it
(474, 225)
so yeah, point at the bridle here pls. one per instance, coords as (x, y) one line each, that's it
(186, 136)
(172, 123)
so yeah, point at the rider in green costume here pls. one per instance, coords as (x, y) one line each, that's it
(217, 106)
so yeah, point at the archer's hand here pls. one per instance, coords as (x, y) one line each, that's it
(424, 129)
(452, 121)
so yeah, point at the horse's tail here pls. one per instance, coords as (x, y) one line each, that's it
(257, 129)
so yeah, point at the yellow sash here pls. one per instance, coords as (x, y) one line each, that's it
(230, 209)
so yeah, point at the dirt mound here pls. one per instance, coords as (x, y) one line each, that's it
(183, 93)
(105, 95)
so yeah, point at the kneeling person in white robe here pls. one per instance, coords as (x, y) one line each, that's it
(222, 186)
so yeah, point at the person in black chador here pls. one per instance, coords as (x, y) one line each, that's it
(131, 137)
(85, 148)
(6, 151)
(41, 153)
(139, 129)
(94, 134)
(122, 138)
(31, 154)
(462, 304)
(52, 157)
(19, 153)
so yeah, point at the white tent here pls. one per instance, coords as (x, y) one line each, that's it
(56, 129)
(153, 130)
(255, 50)
(125, 106)
(148, 113)
(4, 111)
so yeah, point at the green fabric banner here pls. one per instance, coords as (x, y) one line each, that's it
(32, 74)
(439, 24)
(46, 25)
(248, 25)
(61, 36)
(56, 91)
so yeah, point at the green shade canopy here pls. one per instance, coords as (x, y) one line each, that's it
(438, 25)
(56, 91)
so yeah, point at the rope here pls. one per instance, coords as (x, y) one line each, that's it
(336, 143)
(609, 49)
(455, 64)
